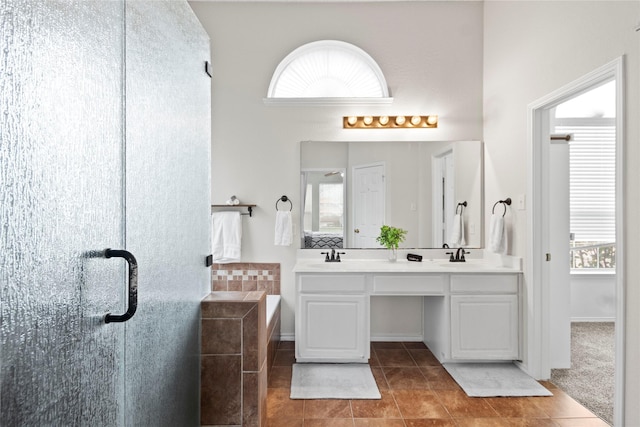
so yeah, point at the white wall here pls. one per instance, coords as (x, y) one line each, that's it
(593, 297)
(430, 53)
(530, 50)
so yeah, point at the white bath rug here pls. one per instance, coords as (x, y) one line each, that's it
(494, 379)
(333, 381)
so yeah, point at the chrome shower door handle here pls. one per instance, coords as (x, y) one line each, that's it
(132, 285)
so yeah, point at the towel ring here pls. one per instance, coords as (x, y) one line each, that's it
(284, 199)
(461, 205)
(506, 202)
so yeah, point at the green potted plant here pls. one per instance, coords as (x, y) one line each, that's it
(391, 237)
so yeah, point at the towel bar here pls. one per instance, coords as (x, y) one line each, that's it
(284, 199)
(249, 208)
(506, 202)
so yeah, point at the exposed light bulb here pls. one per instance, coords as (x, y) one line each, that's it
(432, 120)
(352, 120)
(383, 120)
(367, 120)
(415, 120)
(400, 120)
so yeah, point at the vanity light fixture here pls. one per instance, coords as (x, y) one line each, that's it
(389, 122)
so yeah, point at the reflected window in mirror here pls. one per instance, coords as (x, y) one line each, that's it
(323, 197)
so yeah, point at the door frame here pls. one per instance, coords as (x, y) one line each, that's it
(536, 275)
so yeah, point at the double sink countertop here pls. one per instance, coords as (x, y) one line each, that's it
(478, 261)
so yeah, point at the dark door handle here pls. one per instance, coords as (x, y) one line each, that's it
(132, 285)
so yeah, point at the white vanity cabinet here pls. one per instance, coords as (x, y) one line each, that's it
(470, 312)
(484, 317)
(332, 318)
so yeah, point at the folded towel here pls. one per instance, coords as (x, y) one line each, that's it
(497, 234)
(226, 236)
(284, 228)
(456, 239)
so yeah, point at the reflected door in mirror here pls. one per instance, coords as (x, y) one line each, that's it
(368, 207)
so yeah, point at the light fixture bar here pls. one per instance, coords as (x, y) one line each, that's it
(389, 122)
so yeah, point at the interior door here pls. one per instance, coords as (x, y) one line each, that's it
(61, 205)
(369, 204)
(558, 263)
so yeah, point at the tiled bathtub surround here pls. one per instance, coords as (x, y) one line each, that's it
(234, 359)
(246, 277)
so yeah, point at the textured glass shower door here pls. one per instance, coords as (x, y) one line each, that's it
(73, 182)
(61, 205)
(168, 208)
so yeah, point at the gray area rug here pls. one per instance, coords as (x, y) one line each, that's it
(494, 379)
(590, 380)
(333, 381)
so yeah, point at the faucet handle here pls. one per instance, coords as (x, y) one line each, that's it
(327, 255)
(462, 255)
(451, 258)
(338, 255)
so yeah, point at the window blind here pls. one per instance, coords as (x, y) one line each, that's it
(592, 177)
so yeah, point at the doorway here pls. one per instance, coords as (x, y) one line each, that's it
(549, 331)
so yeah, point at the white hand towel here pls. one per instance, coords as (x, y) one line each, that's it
(226, 236)
(497, 234)
(284, 228)
(456, 239)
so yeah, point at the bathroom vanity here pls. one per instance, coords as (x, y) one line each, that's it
(471, 310)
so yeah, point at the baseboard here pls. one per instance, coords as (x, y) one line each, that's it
(287, 337)
(592, 319)
(406, 338)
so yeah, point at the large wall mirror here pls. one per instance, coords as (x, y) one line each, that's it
(431, 189)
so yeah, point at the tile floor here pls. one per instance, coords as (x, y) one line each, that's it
(416, 391)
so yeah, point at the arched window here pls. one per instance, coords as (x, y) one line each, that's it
(328, 70)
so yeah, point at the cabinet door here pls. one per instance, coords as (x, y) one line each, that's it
(484, 327)
(332, 328)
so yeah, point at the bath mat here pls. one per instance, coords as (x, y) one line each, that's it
(494, 379)
(333, 381)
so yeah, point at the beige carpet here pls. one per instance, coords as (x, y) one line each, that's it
(590, 380)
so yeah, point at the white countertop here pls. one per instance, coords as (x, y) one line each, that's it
(479, 265)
